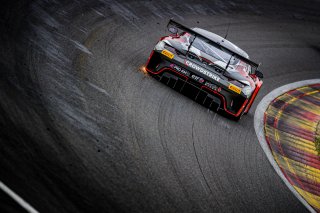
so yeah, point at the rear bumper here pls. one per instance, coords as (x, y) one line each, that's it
(210, 95)
(185, 87)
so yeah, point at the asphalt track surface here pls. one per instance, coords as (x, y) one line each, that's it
(83, 130)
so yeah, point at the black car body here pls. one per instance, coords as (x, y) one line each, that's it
(206, 67)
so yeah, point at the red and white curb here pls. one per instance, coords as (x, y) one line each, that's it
(259, 129)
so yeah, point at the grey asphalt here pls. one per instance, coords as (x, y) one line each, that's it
(83, 130)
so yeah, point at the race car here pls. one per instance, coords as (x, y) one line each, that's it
(206, 67)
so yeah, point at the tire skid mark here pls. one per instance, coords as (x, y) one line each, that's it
(198, 162)
(169, 157)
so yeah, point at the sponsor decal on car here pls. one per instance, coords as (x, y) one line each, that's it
(197, 78)
(210, 85)
(234, 88)
(167, 53)
(202, 70)
(179, 69)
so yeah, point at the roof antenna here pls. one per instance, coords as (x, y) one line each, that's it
(225, 37)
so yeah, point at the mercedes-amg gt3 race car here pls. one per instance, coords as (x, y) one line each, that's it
(206, 67)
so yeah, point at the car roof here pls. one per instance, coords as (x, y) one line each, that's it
(223, 42)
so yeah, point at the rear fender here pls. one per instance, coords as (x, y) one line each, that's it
(253, 96)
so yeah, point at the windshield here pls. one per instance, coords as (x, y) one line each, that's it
(210, 50)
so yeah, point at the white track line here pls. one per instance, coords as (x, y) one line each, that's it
(259, 128)
(17, 198)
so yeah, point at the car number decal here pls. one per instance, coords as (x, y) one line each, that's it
(235, 88)
(167, 53)
(202, 70)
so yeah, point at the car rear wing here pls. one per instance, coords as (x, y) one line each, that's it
(175, 24)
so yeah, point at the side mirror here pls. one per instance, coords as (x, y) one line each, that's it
(173, 30)
(259, 74)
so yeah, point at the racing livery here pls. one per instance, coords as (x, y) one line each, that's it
(206, 67)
